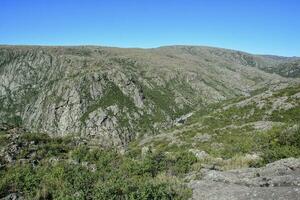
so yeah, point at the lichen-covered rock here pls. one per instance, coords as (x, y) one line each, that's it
(201, 155)
(278, 180)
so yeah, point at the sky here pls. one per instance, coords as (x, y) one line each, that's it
(255, 26)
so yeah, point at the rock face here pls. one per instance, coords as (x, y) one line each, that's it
(278, 180)
(115, 94)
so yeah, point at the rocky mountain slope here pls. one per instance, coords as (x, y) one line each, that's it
(194, 120)
(232, 139)
(113, 95)
(242, 148)
(237, 133)
(285, 66)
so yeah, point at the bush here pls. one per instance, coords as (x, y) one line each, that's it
(19, 178)
(153, 163)
(281, 144)
(140, 189)
(290, 137)
(3, 139)
(183, 162)
(116, 176)
(35, 137)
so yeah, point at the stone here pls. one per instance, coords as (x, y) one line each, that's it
(145, 151)
(201, 155)
(278, 180)
(203, 137)
(181, 120)
(12, 196)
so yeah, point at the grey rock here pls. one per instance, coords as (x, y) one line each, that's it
(181, 120)
(13, 196)
(145, 151)
(203, 137)
(201, 155)
(278, 180)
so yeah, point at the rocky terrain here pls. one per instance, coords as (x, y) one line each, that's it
(116, 94)
(234, 141)
(175, 122)
(278, 180)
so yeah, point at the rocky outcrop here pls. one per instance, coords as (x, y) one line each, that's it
(181, 120)
(278, 180)
(13, 196)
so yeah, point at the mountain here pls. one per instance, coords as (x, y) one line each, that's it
(284, 66)
(113, 95)
(175, 122)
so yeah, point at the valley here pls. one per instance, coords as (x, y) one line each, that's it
(174, 122)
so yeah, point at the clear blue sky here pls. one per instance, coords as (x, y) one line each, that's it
(256, 26)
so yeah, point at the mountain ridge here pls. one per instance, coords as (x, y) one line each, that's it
(274, 56)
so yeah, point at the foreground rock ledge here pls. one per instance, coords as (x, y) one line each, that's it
(278, 180)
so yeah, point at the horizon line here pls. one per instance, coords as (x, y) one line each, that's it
(146, 48)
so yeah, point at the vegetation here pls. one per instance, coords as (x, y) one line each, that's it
(242, 132)
(281, 144)
(56, 168)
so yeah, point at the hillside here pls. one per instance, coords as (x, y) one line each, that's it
(114, 95)
(245, 147)
(173, 122)
(242, 148)
(242, 132)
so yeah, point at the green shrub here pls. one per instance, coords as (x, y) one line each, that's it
(19, 178)
(80, 153)
(116, 176)
(3, 138)
(140, 189)
(281, 144)
(289, 137)
(183, 162)
(274, 153)
(37, 138)
(153, 163)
